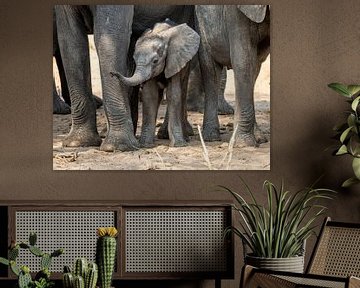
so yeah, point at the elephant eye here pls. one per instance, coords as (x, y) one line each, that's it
(155, 61)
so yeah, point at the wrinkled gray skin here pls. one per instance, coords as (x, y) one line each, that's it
(195, 100)
(238, 37)
(165, 48)
(112, 26)
(60, 106)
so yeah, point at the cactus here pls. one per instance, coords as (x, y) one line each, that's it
(87, 272)
(80, 267)
(79, 282)
(36, 251)
(42, 278)
(13, 253)
(106, 254)
(68, 280)
(24, 280)
(91, 276)
(32, 239)
(45, 261)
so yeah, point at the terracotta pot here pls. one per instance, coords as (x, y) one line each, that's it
(291, 264)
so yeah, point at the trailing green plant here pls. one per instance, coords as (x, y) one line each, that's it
(349, 131)
(279, 229)
(106, 254)
(84, 274)
(42, 278)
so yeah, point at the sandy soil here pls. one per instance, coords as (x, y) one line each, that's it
(163, 157)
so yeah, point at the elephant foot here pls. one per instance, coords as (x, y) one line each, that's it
(248, 139)
(260, 136)
(82, 139)
(60, 107)
(97, 101)
(224, 108)
(147, 145)
(178, 143)
(211, 134)
(119, 141)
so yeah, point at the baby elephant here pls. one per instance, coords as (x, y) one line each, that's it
(166, 48)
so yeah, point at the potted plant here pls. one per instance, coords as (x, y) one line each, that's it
(349, 132)
(42, 278)
(275, 234)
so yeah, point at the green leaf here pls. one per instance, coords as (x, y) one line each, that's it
(354, 145)
(355, 103)
(353, 89)
(342, 150)
(4, 261)
(340, 88)
(345, 134)
(351, 120)
(349, 182)
(356, 167)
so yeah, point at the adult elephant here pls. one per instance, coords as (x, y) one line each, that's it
(63, 106)
(237, 37)
(112, 26)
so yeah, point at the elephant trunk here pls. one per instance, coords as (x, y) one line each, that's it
(140, 76)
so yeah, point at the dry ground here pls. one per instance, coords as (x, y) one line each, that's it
(163, 157)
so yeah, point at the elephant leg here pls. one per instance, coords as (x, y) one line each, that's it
(112, 31)
(245, 65)
(64, 85)
(224, 108)
(184, 81)
(175, 102)
(59, 106)
(163, 132)
(211, 73)
(195, 97)
(74, 48)
(150, 104)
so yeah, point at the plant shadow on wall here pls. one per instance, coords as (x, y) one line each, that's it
(72, 152)
(274, 234)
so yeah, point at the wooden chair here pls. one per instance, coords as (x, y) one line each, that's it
(335, 262)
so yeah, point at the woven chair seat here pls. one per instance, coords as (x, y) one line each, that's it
(334, 263)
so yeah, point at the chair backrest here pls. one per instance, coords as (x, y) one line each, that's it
(337, 251)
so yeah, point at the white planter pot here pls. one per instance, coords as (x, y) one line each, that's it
(291, 264)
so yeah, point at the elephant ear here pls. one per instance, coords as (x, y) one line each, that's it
(183, 45)
(255, 13)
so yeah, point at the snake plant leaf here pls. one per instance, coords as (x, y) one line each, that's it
(342, 150)
(340, 89)
(355, 103)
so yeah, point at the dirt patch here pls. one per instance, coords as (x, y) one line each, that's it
(163, 157)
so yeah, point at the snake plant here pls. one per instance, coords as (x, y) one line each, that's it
(279, 228)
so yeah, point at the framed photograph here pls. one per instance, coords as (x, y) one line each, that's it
(161, 87)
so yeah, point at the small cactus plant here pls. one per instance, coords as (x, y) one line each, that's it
(42, 278)
(106, 254)
(85, 275)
